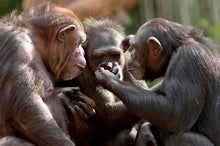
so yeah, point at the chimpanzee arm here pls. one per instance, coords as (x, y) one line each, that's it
(111, 111)
(25, 112)
(178, 104)
(34, 121)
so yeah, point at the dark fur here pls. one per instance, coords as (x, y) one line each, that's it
(186, 108)
(111, 115)
(31, 60)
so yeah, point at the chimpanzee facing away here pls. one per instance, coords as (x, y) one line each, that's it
(38, 47)
(186, 108)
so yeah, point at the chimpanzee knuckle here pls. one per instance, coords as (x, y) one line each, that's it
(108, 66)
(97, 74)
(80, 94)
(71, 107)
(83, 105)
(74, 89)
(81, 112)
(68, 91)
(88, 100)
(87, 108)
(65, 101)
(60, 96)
(118, 76)
(115, 70)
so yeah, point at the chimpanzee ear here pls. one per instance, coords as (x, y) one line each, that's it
(63, 32)
(125, 43)
(154, 45)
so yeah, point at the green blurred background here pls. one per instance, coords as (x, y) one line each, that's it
(7, 6)
(204, 14)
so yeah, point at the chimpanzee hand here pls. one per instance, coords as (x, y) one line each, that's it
(145, 135)
(114, 68)
(104, 76)
(79, 104)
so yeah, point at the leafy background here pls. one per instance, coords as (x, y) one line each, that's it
(210, 29)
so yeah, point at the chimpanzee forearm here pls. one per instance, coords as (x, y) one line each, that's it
(149, 105)
(41, 120)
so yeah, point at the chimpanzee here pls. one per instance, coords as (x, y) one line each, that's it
(112, 122)
(186, 107)
(38, 46)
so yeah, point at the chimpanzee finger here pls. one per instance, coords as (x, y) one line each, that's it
(115, 69)
(69, 91)
(88, 109)
(66, 102)
(118, 76)
(103, 75)
(87, 100)
(81, 112)
(73, 91)
(100, 72)
(102, 69)
(72, 109)
(109, 66)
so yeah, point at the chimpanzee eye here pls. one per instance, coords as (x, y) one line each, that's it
(115, 55)
(98, 57)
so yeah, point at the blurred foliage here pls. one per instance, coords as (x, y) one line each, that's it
(212, 31)
(136, 21)
(6, 6)
(151, 83)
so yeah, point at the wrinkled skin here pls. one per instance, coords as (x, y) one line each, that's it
(185, 107)
(112, 122)
(38, 47)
